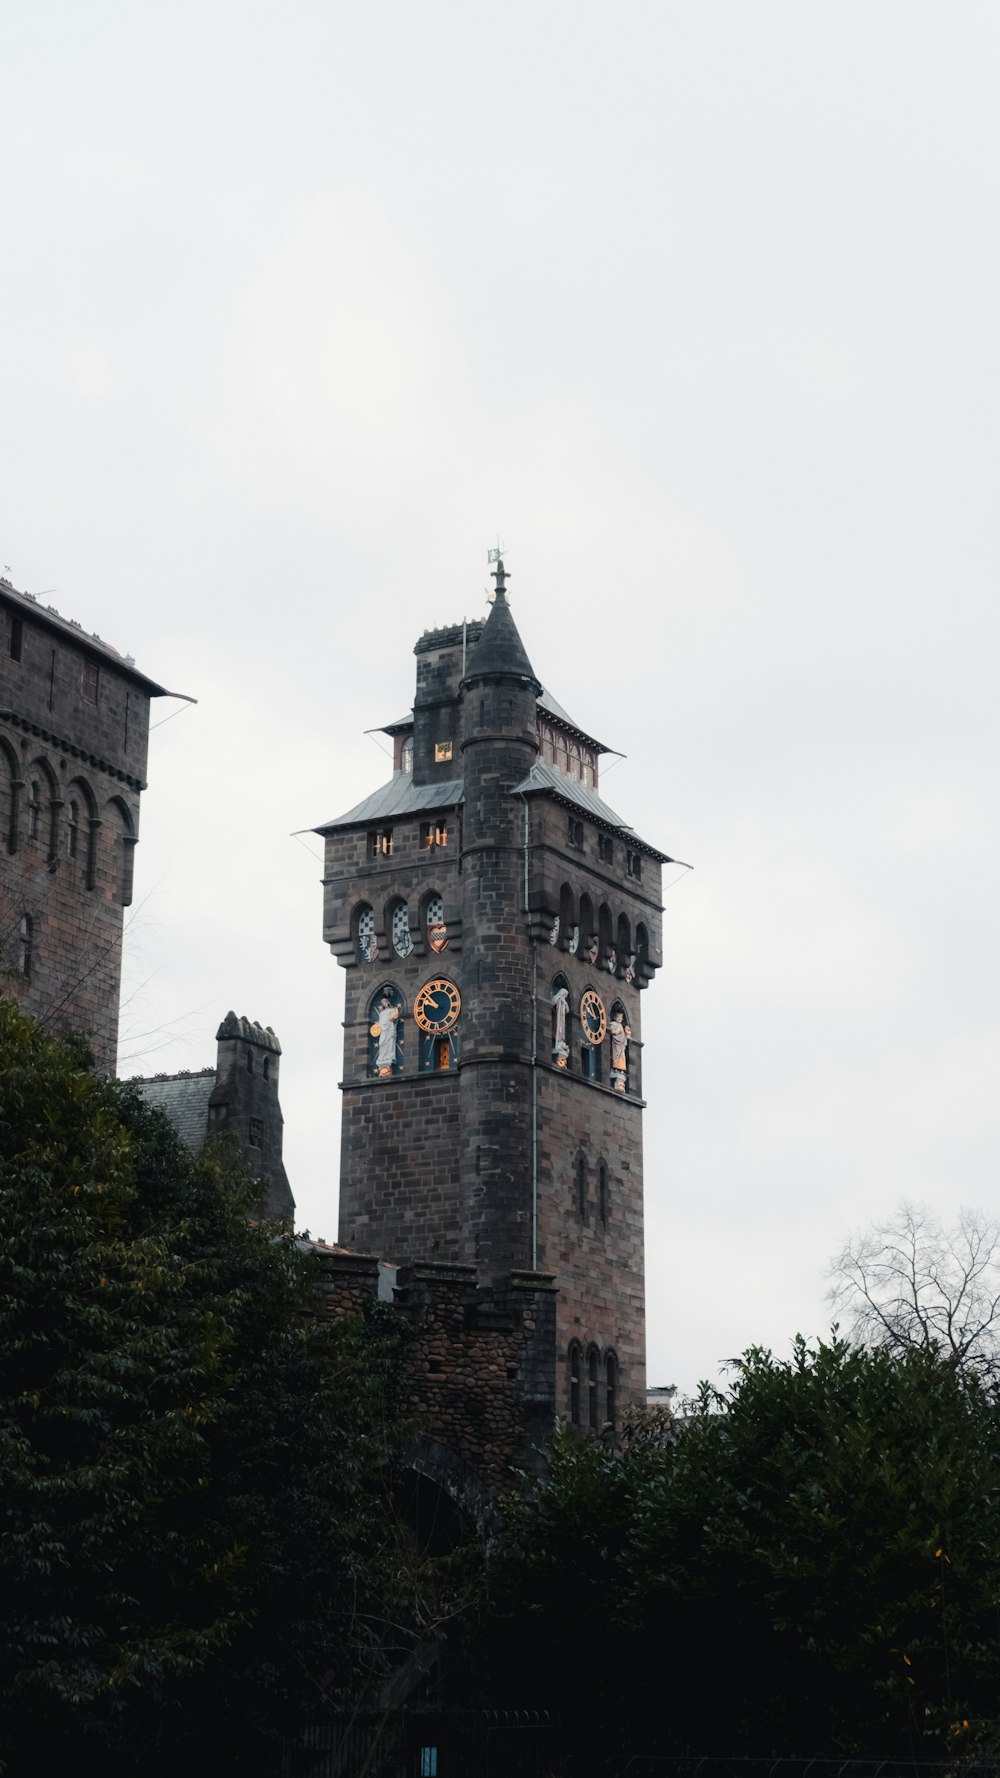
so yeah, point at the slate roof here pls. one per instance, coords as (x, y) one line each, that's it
(399, 797)
(545, 779)
(545, 701)
(499, 653)
(74, 632)
(183, 1098)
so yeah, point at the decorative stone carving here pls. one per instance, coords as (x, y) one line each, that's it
(384, 1029)
(560, 1048)
(593, 947)
(574, 941)
(611, 961)
(554, 934)
(619, 1033)
(630, 968)
(437, 931)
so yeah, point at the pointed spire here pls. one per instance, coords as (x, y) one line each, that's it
(500, 653)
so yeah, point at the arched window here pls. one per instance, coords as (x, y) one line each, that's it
(607, 955)
(434, 922)
(73, 829)
(581, 1187)
(25, 936)
(406, 755)
(611, 1388)
(365, 942)
(385, 1031)
(624, 944)
(567, 917)
(34, 808)
(574, 1383)
(10, 780)
(602, 1192)
(267, 1068)
(123, 830)
(593, 1379)
(399, 926)
(249, 1061)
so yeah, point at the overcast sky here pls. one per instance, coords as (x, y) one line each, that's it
(697, 306)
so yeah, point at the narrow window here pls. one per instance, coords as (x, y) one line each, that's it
(73, 830)
(34, 809)
(605, 848)
(574, 1384)
(602, 1192)
(633, 864)
(367, 942)
(581, 1187)
(435, 833)
(256, 1131)
(575, 832)
(267, 1067)
(24, 934)
(592, 1362)
(91, 682)
(380, 842)
(15, 639)
(611, 1389)
(406, 755)
(442, 751)
(249, 1061)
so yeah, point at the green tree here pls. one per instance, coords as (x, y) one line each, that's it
(195, 1467)
(811, 1567)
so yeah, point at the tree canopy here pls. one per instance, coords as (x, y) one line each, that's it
(809, 1566)
(195, 1467)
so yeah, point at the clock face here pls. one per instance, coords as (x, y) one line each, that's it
(593, 1018)
(437, 1006)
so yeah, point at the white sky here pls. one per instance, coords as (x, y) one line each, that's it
(697, 305)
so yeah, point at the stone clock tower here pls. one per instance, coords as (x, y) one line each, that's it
(498, 924)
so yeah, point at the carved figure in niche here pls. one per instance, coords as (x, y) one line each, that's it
(574, 941)
(384, 1029)
(593, 948)
(630, 968)
(560, 1048)
(619, 1033)
(554, 934)
(611, 961)
(367, 942)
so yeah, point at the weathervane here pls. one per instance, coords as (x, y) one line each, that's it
(500, 574)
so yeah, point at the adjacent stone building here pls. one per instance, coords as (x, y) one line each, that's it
(74, 722)
(498, 923)
(238, 1098)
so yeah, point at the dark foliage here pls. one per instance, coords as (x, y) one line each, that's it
(810, 1566)
(195, 1468)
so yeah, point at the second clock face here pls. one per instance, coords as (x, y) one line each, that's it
(437, 1006)
(593, 1018)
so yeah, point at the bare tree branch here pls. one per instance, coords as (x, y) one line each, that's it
(909, 1283)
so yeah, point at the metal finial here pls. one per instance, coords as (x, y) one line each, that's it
(500, 574)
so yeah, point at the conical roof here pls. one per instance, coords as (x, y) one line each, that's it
(500, 653)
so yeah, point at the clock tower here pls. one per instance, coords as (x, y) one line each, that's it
(498, 925)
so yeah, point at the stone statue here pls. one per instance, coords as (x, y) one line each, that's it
(611, 961)
(384, 1029)
(593, 948)
(554, 934)
(619, 1033)
(560, 1048)
(574, 941)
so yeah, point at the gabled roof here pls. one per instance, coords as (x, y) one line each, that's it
(399, 797)
(547, 780)
(184, 1101)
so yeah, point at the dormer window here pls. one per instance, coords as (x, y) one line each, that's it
(442, 751)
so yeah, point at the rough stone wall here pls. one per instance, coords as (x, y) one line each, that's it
(74, 725)
(245, 1105)
(480, 1365)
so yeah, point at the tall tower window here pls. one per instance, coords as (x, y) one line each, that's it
(633, 864)
(34, 808)
(581, 1187)
(574, 1384)
(435, 833)
(25, 936)
(406, 755)
(91, 682)
(593, 1366)
(73, 829)
(611, 1388)
(602, 1192)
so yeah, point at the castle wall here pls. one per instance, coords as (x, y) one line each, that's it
(74, 724)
